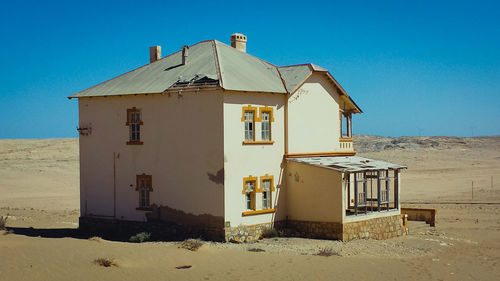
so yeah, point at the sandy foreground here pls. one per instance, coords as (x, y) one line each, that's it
(39, 191)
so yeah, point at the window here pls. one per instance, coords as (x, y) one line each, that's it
(249, 126)
(134, 122)
(266, 194)
(252, 191)
(249, 116)
(345, 125)
(266, 126)
(249, 190)
(144, 186)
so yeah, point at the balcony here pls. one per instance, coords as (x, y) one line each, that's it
(346, 144)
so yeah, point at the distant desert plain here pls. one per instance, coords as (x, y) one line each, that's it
(460, 177)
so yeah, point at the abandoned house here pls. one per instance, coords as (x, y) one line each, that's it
(211, 141)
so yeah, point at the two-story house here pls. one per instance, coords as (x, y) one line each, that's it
(211, 141)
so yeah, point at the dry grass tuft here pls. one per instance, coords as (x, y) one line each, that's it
(326, 252)
(105, 262)
(95, 238)
(191, 244)
(3, 222)
(255, 250)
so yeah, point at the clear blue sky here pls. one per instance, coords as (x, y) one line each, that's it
(415, 67)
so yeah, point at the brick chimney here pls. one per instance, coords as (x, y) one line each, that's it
(154, 53)
(239, 41)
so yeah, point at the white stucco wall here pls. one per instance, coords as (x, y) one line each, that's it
(183, 147)
(313, 193)
(257, 160)
(313, 117)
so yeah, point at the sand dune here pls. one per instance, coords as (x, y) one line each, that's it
(39, 190)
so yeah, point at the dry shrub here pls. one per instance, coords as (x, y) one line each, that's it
(270, 232)
(105, 262)
(140, 237)
(191, 244)
(3, 222)
(326, 252)
(255, 250)
(95, 238)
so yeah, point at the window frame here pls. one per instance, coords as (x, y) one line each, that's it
(244, 110)
(259, 189)
(268, 110)
(258, 118)
(129, 123)
(252, 194)
(348, 117)
(148, 189)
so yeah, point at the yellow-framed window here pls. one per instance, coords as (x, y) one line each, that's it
(249, 116)
(134, 122)
(266, 117)
(267, 188)
(250, 188)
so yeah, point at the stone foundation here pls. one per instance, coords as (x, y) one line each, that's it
(376, 228)
(246, 233)
(160, 231)
(319, 230)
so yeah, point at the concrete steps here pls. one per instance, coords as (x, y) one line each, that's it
(418, 227)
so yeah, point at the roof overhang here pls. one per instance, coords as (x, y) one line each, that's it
(349, 164)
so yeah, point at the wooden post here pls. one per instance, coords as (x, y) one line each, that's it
(356, 194)
(387, 188)
(348, 190)
(378, 191)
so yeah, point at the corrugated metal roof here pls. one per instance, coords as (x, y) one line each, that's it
(157, 77)
(243, 72)
(347, 163)
(294, 75)
(213, 62)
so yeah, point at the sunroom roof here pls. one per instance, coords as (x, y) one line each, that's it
(347, 163)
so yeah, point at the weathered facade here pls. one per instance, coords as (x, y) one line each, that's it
(213, 140)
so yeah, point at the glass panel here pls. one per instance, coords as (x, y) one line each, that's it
(249, 186)
(266, 185)
(249, 116)
(249, 201)
(265, 200)
(265, 130)
(248, 131)
(265, 116)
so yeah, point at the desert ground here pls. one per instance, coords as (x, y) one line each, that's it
(460, 177)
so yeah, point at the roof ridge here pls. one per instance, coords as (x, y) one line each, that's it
(217, 64)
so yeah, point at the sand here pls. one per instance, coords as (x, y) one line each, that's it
(39, 190)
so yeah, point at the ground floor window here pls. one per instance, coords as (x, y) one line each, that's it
(249, 190)
(371, 191)
(144, 187)
(258, 194)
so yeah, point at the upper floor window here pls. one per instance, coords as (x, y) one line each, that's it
(265, 117)
(144, 186)
(249, 126)
(249, 114)
(134, 122)
(345, 125)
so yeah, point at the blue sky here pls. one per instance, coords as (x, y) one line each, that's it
(414, 67)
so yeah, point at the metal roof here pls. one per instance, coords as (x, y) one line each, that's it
(213, 62)
(347, 163)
